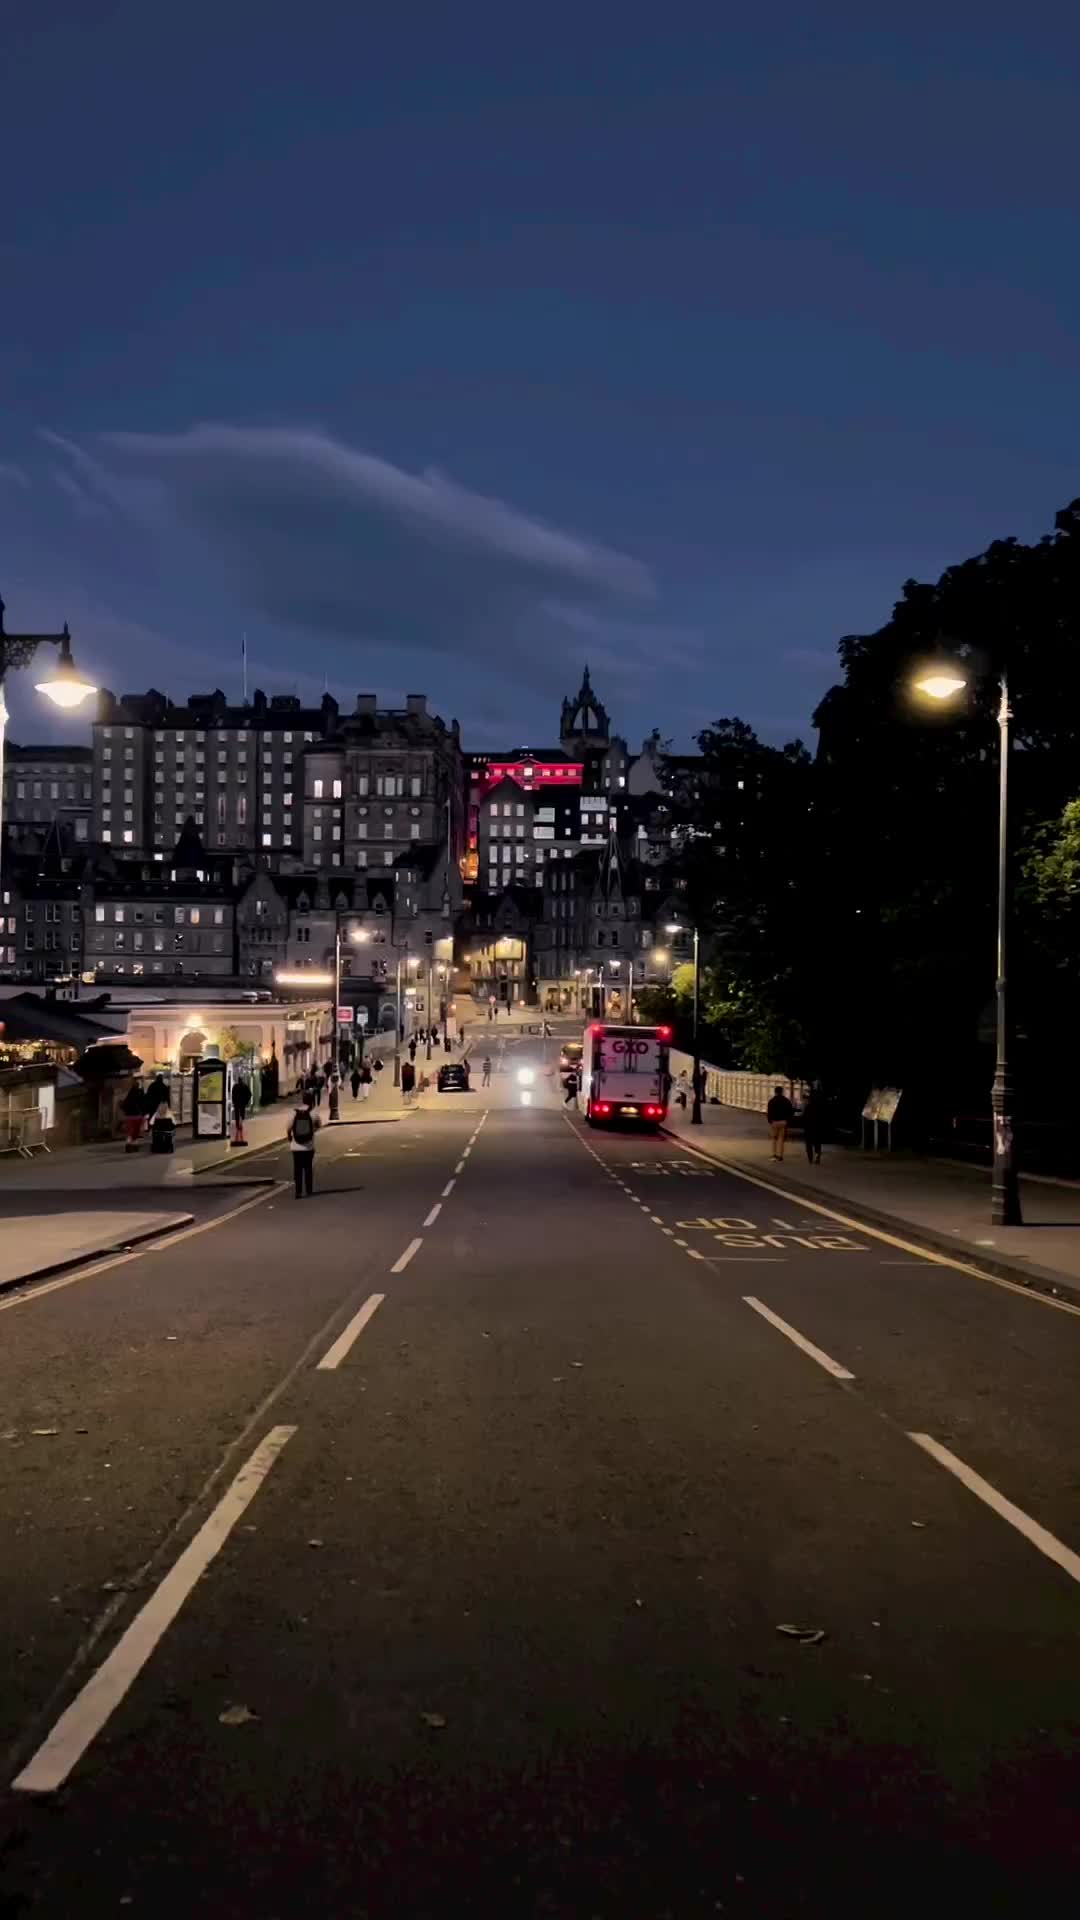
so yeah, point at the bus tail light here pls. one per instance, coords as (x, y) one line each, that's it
(602, 1107)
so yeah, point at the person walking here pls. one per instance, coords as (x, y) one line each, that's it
(412, 1048)
(133, 1108)
(241, 1101)
(365, 1076)
(813, 1123)
(334, 1097)
(485, 1080)
(301, 1137)
(571, 1085)
(779, 1113)
(408, 1082)
(354, 1082)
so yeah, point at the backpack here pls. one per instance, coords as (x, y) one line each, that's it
(303, 1129)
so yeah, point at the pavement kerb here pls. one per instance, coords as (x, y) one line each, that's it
(173, 1223)
(964, 1253)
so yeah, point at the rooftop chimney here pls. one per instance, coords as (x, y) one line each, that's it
(416, 703)
(365, 703)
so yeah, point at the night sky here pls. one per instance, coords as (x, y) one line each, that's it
(440, 347)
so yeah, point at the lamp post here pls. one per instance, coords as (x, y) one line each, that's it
(357, 936)
(63, 684)
(410, 961)
(695, 1111)
(941, 684)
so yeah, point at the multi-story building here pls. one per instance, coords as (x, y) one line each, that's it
(293, 786)
(236, 771)
(602, 934)
(44, 786)
(41, 912)
(380, 784)
(171, 922)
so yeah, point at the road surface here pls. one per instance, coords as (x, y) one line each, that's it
(536, 1522)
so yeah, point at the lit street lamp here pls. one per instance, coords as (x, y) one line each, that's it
(944, 683)
(357, 936)
(63, 684)
(695, 1111)
(412, 963)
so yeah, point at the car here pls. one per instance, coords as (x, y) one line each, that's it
(570, 1054)
(453, 1077)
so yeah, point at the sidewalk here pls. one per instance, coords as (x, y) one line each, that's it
(33, 1245)
(938, 1204)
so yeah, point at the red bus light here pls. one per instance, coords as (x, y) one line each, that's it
(603, 1107)
(664, 1033)
(653, 1113)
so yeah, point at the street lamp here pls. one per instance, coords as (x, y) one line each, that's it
(411, 962)
(63, 684)
(695, 1111)
(357, 936)
(944, 683)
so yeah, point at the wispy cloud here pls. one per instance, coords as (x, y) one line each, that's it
(333, 544)
(11, 475)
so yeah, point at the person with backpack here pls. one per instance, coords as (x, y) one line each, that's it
(301, 1137)
(366, 1078)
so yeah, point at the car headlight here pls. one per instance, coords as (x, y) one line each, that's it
(525, 1076)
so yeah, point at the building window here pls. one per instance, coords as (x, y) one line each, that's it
(361, 858)
(337, 789)
(178, 916)
(362, 783)
(416, 786)
(219, 916)
(388, 858)
(414, 831)
(267, 839)
(316, 833)
(195, 916)
(316, 788)
(129, 837)
(99, 914)
(241, 809)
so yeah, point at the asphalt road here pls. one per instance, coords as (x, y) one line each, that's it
(493, 1618)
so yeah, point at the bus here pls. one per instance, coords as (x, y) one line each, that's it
(624, 1075)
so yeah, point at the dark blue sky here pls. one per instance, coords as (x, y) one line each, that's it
(442, 346)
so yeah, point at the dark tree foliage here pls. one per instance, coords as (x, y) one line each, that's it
(848, 903)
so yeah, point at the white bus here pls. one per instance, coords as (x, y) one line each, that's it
(624, 1075)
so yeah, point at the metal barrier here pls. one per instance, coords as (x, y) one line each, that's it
(22, 1131)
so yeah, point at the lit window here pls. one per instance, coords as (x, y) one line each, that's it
(129, 837)
(414, 832)
(99, 913)
(361, 858)
(337, 789)
(267, 839)
(316, 788)
(196, 916)
(219, 916)
(106, 833)
(316, 833)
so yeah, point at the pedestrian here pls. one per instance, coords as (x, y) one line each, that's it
(365, 1078)
(682, 1088)
(486, 1075)
(412, 1048)
(301, 1137)
(162, 1130)
(379, 1063)
(571, 1084)
(320, 1082)
(408, 1082)
(241, 1101)
(446, 1043)
(354, 1082)
(156, 1095)
(133, 1108)
(335, 1097)
(813, 1123)
(780, 1113)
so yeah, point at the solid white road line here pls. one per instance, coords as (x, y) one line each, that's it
(889, 1239)
(800, 1340)
(403, 1259)
(152, 1246)
(434, 1214)
(448, 1189)
(99, 1698)
(334, 1355)
(1046, 1543)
